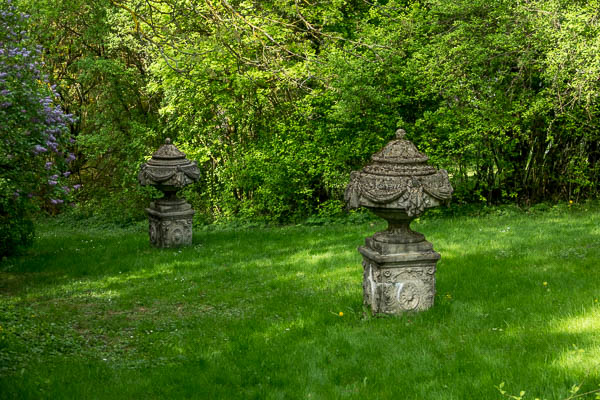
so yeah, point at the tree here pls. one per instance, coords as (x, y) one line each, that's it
(279, 100)
(100, 69)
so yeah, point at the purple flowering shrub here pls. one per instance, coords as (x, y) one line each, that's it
(34, 133)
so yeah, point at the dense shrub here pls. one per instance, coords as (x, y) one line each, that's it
(279, 100)
(16, 227)
(34, 133)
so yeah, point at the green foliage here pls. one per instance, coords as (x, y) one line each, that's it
(100, 69)
(503, 95)
(16, 226)
(279, 100)
(34, 140)
(474, 84)
(255, 110)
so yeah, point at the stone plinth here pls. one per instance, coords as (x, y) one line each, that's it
(398, 277)
(399, 264)
(170, 223)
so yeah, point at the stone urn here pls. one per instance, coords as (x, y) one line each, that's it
(170, 218)
(399, 264)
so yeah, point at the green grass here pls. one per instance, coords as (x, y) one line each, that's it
(254, 313)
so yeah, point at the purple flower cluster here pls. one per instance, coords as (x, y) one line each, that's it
(37, 149)
(36, 128)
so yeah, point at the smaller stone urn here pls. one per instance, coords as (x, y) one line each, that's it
(399, 264)
(170, 218)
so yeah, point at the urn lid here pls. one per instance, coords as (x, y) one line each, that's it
(399, 157)
(168, 154)
(400, 151)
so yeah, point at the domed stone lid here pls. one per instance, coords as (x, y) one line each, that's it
(400, 151)
(399, 157)
(168, 169)
(167, 152)
(399, 178)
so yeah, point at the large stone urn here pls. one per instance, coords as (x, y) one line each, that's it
(170, 218)
(399, 264)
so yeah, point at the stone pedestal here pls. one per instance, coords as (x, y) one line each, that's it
(170, 223)
(399, 266)
(398, 277)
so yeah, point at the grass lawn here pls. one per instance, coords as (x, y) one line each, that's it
(255, 313)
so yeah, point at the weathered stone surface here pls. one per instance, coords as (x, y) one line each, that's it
(398, 179)
(394, 288)
(170, 223)
(399, 264)
(168, 169)
(170, 218)
(398, 282)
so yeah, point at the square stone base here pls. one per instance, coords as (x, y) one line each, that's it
(170, 223)
(398, 283)
(170, 232)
